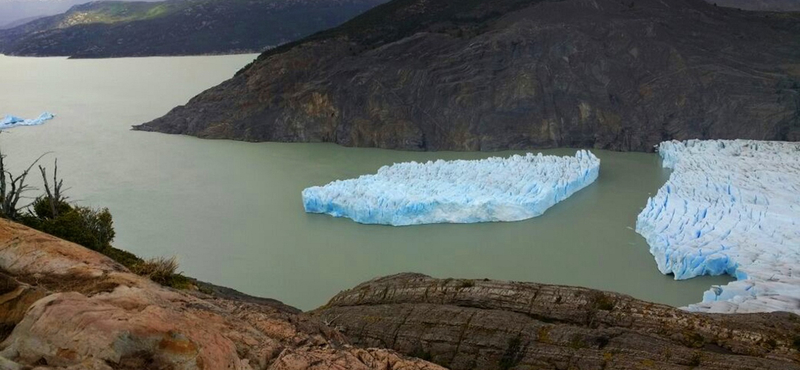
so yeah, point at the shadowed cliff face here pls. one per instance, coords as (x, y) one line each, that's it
(514, 74)
(489, 325)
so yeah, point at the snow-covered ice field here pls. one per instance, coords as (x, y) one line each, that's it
(460, 191)
(730, 207)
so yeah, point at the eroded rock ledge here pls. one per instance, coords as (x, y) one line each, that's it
(488, 324)
(65, 307)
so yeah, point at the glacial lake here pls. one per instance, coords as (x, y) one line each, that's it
(232, 212)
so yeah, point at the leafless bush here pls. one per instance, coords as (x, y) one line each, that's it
(55, 195)
(11, 189)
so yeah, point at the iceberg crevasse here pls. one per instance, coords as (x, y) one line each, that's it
(730, 207)
(460, 191)
(10, 121)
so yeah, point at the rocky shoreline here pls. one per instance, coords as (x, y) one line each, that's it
(63, 306)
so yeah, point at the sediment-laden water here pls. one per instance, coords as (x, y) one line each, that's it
(233, 214)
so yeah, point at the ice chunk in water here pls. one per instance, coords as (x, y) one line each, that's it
(460, 191)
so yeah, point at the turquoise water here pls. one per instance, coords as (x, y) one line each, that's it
(232, 213)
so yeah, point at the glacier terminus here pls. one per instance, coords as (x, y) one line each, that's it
(459, 191)
(730, 207)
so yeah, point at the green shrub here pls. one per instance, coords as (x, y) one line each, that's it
(42, 208)
(90, 228)
(178, 281)
(70, 226)
(122, 257)
(99, 223)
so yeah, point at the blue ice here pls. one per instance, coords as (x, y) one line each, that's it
(730, 207)
(10, 121)
(460, 191)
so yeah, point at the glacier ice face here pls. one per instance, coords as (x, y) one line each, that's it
(10, 121)
(460, 191)
(730, 207)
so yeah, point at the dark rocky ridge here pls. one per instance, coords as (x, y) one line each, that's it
(488, 325)
(176, 27)
(516, 74)
(760, 5)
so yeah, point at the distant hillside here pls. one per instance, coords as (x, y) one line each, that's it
(13, 11)
(19, 22)
(176, 27)
(763, 5)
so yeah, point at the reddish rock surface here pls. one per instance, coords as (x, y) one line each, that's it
(65, 307)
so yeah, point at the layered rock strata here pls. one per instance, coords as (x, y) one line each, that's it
(489, 324)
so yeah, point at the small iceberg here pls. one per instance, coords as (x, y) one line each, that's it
(10, 121)
(730, 207)
(460, 191)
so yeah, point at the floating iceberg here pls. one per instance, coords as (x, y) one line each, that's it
(12, 121)
(460, 191)
(730, 207)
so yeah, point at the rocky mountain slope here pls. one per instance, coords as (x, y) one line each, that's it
(63, 306)
(176, 27)
(492, 325)
(513, 74)
(760, 5)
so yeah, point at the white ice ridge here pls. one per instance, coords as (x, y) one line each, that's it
(10, 121)
(460, 191)
(730, 207)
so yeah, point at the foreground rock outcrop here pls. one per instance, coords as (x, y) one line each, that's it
(516, 74)
(65, 307)
(487, 324)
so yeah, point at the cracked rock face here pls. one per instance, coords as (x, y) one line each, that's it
(488, 324)
(65, 307)
(516, 74)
